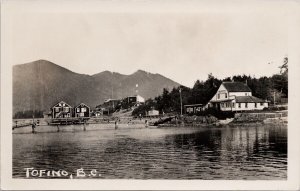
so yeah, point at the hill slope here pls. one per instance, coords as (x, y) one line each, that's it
(40, 84)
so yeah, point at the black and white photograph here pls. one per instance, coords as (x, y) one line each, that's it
(180, 92)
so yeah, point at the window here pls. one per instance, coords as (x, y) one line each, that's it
(218, 96)
(239, 105)
(190, 110)
(83, 109)
(246, 94)
(66, 109)
(246, 105)
(233, 105)
(255, 105)
(261, 104)
(225, 95)
(78, 110)
(57, 109)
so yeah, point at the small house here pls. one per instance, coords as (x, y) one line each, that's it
(108, 106)
(193, 109)
(61, 110)
(97, 113)
(153, 112)
(111, 103)
(47, 115)
(82, 110)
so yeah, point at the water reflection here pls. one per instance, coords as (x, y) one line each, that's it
(256, 152)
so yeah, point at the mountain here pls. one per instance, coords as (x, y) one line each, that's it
(40, 84)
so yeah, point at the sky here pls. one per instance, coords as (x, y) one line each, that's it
(182, 41)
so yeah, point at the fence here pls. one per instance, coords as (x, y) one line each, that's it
(246, 116)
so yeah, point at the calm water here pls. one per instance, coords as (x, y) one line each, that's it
(256, 152)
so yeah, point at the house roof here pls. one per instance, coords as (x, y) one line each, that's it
(236, 87)
(222, 100)
(59, 103)
(135, 96)
(192, 105)
(108, 100)
(83, 104)
(248, 99)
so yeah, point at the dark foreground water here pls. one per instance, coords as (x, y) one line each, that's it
(253, 153)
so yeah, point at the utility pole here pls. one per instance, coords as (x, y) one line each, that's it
(180, 102)
(274, 97)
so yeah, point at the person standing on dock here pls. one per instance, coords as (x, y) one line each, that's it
(33, 127)
(116, 124)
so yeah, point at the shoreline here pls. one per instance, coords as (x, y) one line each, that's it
(123, 126)
(241, 119)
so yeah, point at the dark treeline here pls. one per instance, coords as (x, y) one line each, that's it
(28, 114)
(202, 91)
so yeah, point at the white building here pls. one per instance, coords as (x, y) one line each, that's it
(153, 112)
(136, 99)
(236, 96)
(140, 99)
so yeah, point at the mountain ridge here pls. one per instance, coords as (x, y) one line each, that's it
(40, 84)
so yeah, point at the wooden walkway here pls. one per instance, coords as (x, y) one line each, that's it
(51, 122)
(21, 125)
(57, 122)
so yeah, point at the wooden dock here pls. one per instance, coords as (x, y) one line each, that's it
(83, 123)
(68, 121)
(21, 125)
(51, 122)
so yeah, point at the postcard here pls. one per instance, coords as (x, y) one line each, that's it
(149, 95)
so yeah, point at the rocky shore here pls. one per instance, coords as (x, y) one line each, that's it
(238, 120)
(198, 121)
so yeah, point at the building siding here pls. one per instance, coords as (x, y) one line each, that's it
(240, 93)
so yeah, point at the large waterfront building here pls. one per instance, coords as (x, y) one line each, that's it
(236, 96)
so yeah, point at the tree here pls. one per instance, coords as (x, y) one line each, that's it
(284, 66)
(28, 114)
(202, 91)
